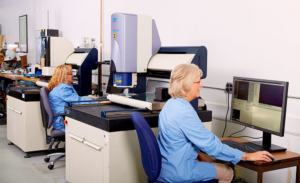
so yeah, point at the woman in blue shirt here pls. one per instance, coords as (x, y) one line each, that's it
(62, 92)
(182, 135)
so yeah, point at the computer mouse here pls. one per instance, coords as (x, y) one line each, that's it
(271, 158)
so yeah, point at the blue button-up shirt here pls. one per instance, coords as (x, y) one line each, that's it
(59, 98)
(181, 136)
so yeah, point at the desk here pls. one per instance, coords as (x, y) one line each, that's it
(281, 160)
(107, 149)
(15, 78)
(18, 77)
(24, 120)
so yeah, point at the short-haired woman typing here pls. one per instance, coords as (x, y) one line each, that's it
(182, 135)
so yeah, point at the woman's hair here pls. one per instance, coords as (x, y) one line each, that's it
(182, 77)
(59, 76)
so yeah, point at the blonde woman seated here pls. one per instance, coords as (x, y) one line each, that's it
(62, 92)
(182, 135)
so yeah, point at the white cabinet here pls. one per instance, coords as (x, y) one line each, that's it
(24, 125)
(207, 125)
(86, 162)
(94, 155)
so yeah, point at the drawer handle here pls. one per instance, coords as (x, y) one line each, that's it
(92, 145)
(76, 138)
(19, 112)
(10, 108)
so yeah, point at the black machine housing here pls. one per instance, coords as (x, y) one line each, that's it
(84, 71)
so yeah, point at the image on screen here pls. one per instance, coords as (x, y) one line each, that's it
(258, 104)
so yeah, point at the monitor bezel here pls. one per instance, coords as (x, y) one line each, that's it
(283, 116)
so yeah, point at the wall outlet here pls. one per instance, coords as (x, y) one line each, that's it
(229, 87)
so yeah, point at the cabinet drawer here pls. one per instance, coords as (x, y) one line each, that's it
(85, 132)
(15, 104)
(84, 141)
(84, 163)
(14, 110)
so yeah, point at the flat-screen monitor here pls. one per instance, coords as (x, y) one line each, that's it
(260, 104)
(23, 34)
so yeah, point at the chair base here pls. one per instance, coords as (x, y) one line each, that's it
(51, 165)
(55, 154)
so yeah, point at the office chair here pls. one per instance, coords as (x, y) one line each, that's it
(151, 156)
(47, 120)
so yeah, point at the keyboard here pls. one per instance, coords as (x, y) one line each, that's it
(240, 146)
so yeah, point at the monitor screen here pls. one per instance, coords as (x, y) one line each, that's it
(260, 104)
(23, 34)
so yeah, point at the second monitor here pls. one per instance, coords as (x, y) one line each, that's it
(260, 104)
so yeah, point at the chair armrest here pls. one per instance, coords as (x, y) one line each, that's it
(61, 114)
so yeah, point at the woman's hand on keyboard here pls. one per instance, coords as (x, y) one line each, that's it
(259, 156)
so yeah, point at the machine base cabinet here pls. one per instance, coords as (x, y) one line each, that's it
(24, 125)
(94, 155)
(207, 125)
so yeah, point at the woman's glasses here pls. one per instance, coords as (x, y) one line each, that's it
(198, 82)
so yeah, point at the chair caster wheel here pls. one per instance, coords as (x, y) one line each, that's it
(50, 167)
(46, 159)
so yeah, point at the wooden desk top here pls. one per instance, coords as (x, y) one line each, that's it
(278, 156)
(30, 79)
(14, 76)
(9, 76)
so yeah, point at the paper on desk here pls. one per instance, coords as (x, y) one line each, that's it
(43, 84)
(130, 102)
(22, 54)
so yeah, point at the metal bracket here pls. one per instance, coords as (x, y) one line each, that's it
(84, 101)
(48, 139)
(103, 113)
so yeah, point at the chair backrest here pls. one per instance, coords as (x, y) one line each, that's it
(46, 109)
(151, 157)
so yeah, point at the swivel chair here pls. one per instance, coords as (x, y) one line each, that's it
(47, 120)
(151, 156)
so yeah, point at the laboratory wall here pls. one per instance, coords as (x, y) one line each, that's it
(10, 10)
(257, 39)
(260, 37)
(73, 18)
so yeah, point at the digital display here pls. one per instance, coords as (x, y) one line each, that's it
(258, 104)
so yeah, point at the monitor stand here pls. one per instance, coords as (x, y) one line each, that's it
(265, 145)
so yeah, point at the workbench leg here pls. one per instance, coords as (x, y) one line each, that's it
(259, 177)
(27, 155)
(298, 173)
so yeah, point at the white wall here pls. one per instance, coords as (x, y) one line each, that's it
(258, 38)
(10, 10)
(73, 18)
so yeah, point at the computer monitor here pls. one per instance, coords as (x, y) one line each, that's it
(260, 104)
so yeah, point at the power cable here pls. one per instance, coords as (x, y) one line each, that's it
(226, 113)
(248, 137)
(237, 132)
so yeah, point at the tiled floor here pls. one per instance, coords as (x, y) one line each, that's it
(14, 168)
